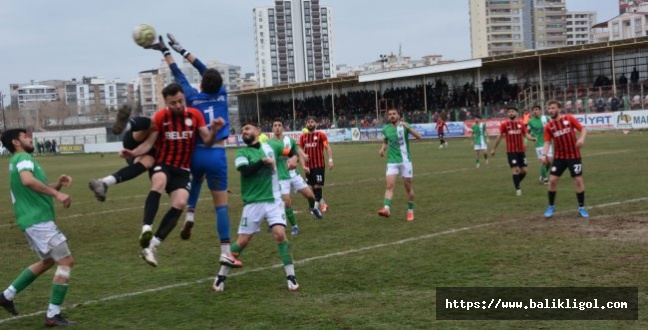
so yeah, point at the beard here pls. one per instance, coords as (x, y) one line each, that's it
(28, 149)
(249, 139)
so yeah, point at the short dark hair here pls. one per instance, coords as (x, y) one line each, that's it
(249, 122)
(171, 89)
(277, 119)
(555, 102)
(536, 106)
(9, 135)
(310, 117)
(512, 108)
(212, 81)
(395, 109)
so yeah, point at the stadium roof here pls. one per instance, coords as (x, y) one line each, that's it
(425, 70)
(559, 52)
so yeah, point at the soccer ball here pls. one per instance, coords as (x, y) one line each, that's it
(305, 130)
(144, 35)
(263, 138)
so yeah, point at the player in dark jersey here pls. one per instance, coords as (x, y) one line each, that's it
(136, 131)
(174, 134)
(441, 128)
(561, 131)
(314, 142)
(514, 130)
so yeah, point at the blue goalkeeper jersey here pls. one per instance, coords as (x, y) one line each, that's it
(212, 106)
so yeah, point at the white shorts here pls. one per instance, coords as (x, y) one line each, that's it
(481, 146)
(254, 214)
(47, 240)
(404, 169)
(294, 184)
(539, 152)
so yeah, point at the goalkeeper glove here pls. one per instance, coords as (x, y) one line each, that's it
(160, 46)
(173, 42)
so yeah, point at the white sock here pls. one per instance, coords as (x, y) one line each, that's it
(189, 217)
(53, 310)
(387, 207)
(290, 269)
(225, 249)
(224, 270)
(10, 293)
(316, 206)
(155, 242)
(109, 180)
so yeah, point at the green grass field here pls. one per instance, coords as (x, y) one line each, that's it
(356, 270)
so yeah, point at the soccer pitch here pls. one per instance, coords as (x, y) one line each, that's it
(355, 269)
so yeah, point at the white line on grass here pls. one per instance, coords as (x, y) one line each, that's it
(330, 185)
(307, 260)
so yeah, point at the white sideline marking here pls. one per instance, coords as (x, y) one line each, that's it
(307, 260)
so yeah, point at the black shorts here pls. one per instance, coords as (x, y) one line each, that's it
(441, 135)
(575, 166)
(176, 178)
(316, 176)
(517, 159)
(129, 143)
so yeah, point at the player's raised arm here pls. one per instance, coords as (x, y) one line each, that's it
(175, 45)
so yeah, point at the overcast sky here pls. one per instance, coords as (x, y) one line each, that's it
(45, 39)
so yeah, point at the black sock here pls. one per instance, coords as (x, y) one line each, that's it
(129, 172)
(318, 194)
(522, 176)
(442, 141)
(139, 123)
(169, 222)
(581, 198)
(516, 181)
(485, 156)
(151, 207)
(552, 197)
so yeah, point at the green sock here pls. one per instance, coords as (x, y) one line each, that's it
(236, 249)
(476, 160)
(24, 280)
(291, 216)
(311, 203)
(410, 206)
(58, 293)
(387, 202)
(543, 171)
(284, 253)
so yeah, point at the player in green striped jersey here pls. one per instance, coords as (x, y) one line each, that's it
(396, 143)
(536, 128)
(289, 179)
(480, 140)
(261, 201)
(31, 197)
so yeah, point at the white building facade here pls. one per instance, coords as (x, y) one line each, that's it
(579, 27)
(293, 42)
(500, 27)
